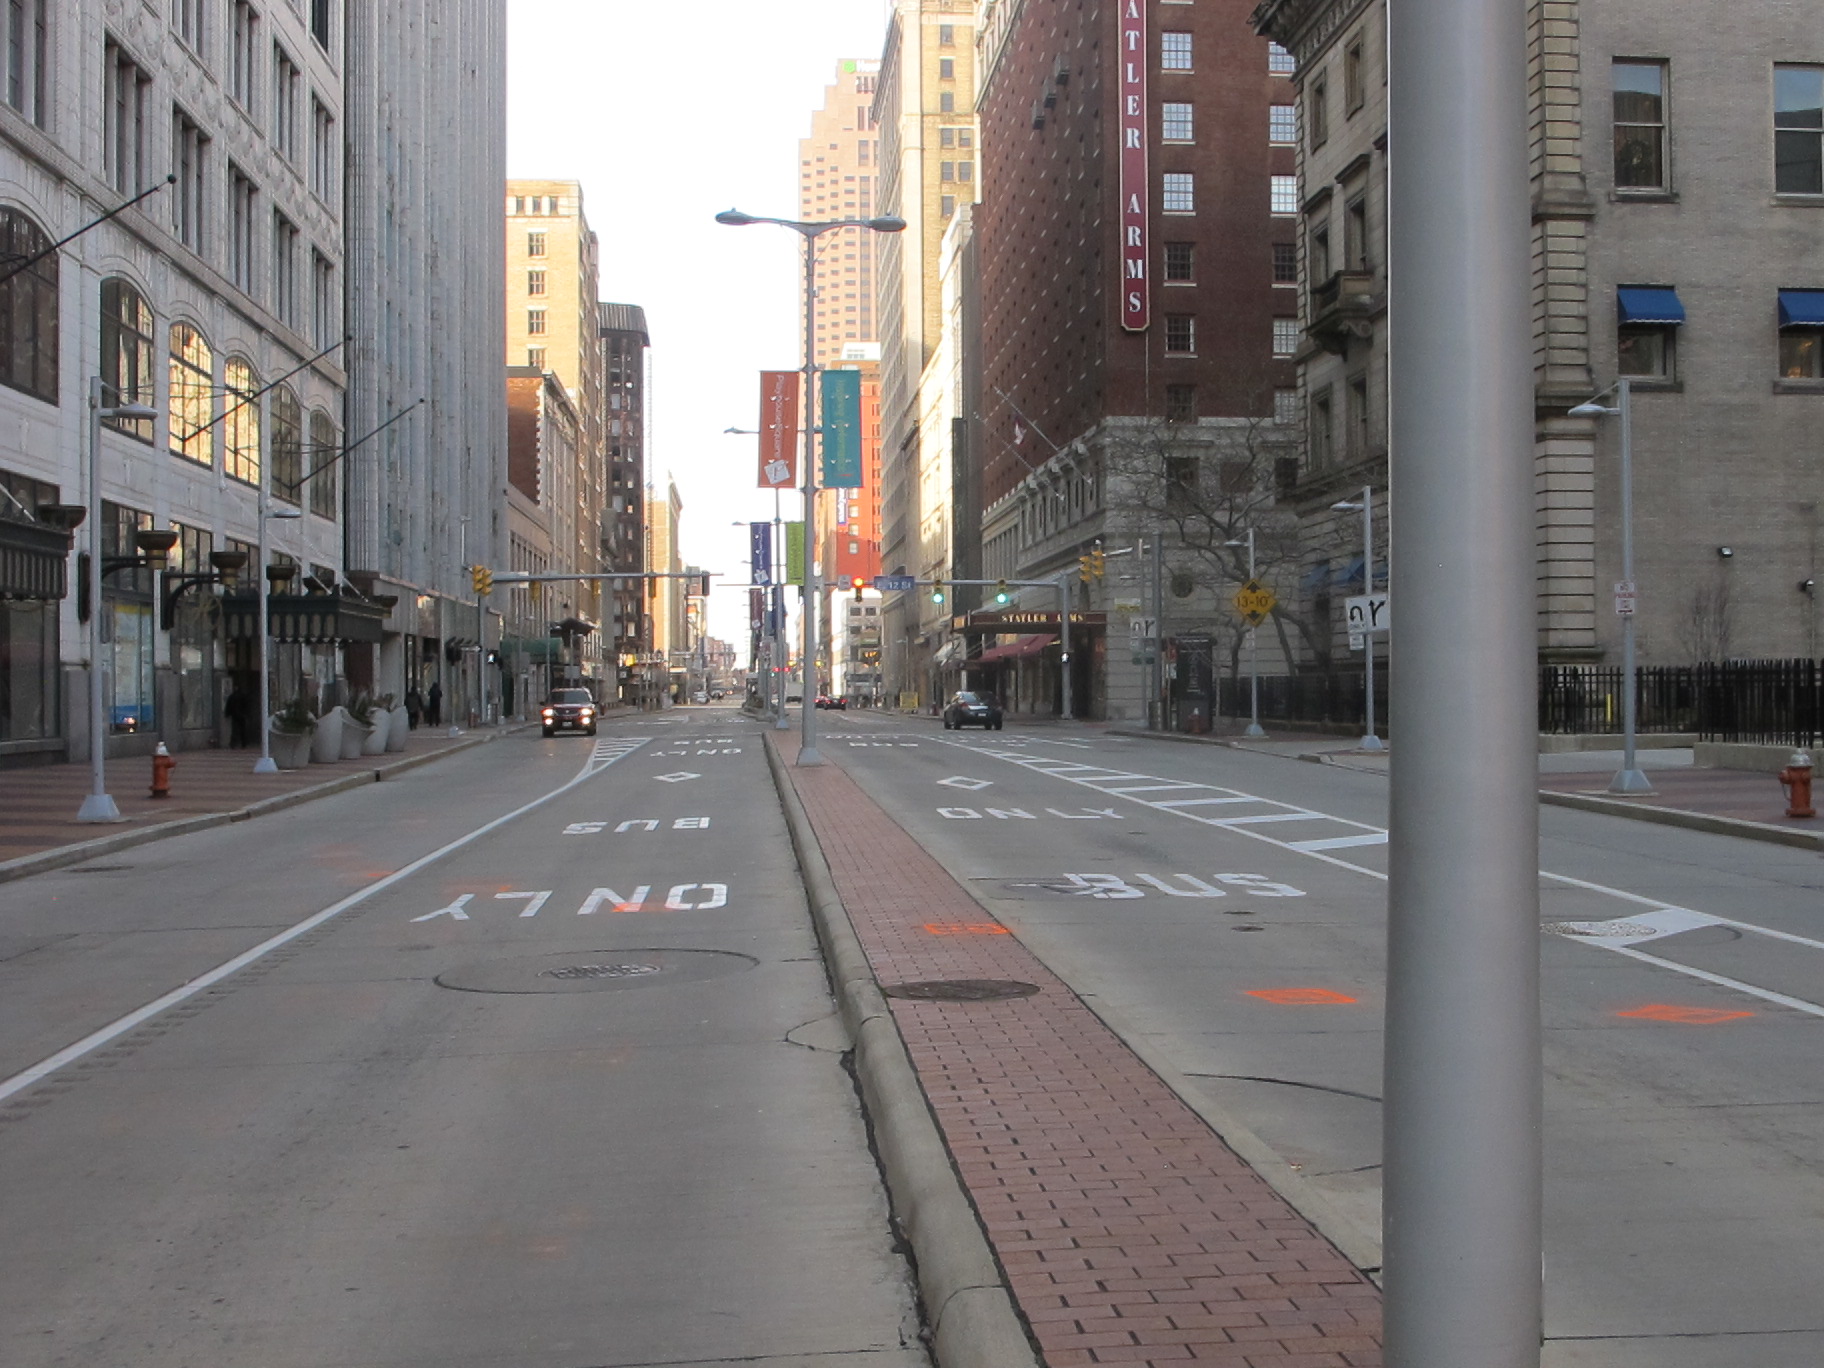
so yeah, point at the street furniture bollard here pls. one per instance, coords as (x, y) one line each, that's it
(162, 765)
(1797, 780)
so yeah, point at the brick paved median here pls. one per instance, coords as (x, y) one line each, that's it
(1129, 1232)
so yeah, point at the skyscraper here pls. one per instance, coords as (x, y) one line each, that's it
(837, 179)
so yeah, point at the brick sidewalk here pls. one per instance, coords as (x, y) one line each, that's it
(1129, 1232)
(1740, 794)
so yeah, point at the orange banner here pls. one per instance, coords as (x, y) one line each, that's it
(778, 429)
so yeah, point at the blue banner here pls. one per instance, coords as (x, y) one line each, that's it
(761, 552)
(842, 429)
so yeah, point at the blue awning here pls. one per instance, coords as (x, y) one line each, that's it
(1802, 308)
(1649, 304)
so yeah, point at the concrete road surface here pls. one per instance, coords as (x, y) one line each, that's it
(528, 1060)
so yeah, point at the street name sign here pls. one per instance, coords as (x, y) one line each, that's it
(889, 584)
(1254, 601)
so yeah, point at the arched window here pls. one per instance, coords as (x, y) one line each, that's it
(325, 446)
(287, 446)
(192, 386)
(241, 424)
(28, 309)
(126, 353)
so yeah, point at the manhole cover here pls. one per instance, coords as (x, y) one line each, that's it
(961, 990)
(593, 971)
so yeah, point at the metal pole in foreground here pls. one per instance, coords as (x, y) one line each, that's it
(1064, 643)
(813, 590)
(99, 804)
(1461, 1229)
(1254, 727)
(1630, 778)
(1371, 739)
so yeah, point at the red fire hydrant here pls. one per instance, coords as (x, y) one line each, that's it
(163, 764)
(1797, 779)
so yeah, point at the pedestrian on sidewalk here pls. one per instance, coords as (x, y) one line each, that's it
(414, 707)
(433, 712)
(239, 712)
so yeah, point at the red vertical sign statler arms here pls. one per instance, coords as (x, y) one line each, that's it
(1133, 56)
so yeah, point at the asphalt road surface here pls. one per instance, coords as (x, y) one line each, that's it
(1223, 910)
(526, 1058)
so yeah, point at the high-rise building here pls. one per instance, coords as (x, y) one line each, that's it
(837, 175)
(625, 346)
(666, 599)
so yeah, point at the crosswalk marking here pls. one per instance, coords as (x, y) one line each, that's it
(1340, 842)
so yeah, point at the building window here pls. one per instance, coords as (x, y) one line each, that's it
(946, 137)
(241, 199)
(27, 46)
(28, 309)
(535, 322)
(241, 421)
(965, 171)
(192, 396)
(1285, 336)
(946, 103)
(946, 171)
(325, 449)
(124, 121)
(535, 244)
(946, 68)
(1285, 263)
(535, 358)
(126, 353)
(1355, 234)
(1179, 193)
(946, 35)
(320, 22)
(1182, 477)
(1181, 403)
(287, 446)
(535, 282)
(1645, 350)
(323, 161)
(1284, 195)
(1280, 62)
(1357, 399)
(947, 205)
(1317, 113)
(1355, 93)
(1285, 406)
(187, 19)
(1317, 252)
(1180, 334)
(244, 25)
(188, 149)
(1320, 438)
(1640, 125)
(285, 268)
(1798, 130)
(1282, 125)
(325, 298)
(1175, 122)
(1175, 52)
(285, 85)
(1801, 334)
(1180, 261)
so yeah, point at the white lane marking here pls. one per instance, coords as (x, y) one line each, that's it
(69, 1054)
(1664, 921)
(1257, 818)
(1663, 912)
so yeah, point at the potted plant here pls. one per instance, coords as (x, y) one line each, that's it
(380, 718)
(326, 744)
(292, 729)
(357, 726)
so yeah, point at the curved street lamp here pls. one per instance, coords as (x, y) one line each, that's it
(810, 231)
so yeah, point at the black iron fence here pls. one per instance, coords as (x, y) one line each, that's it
(1770, 702)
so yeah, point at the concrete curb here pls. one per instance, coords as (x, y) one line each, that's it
(974, 1322)
(24, 866)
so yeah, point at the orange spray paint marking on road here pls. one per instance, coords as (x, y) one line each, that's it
(1691, 1016)
(966, 929)
(1299, 997)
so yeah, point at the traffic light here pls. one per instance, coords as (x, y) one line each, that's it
(533, 587)
(937, 591)
(1001, 593)
(1098, 562)
(857, 583)
(483, 580)
(1085, 569)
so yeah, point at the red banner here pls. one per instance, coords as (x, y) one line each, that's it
(778, 429)
(1136, 298)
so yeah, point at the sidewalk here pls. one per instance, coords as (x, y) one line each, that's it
(1127, 1230)
(38, 804)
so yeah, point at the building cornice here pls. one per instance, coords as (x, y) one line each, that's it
(1305, 27)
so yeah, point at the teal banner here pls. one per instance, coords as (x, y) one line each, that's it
(842, 429)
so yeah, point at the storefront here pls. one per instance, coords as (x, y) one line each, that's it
(34, 558)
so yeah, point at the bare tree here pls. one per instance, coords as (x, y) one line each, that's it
(1708, 627)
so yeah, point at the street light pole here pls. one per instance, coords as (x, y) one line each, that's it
(262, 585)
(813, 590)
(1371, 740)
(1254, 728)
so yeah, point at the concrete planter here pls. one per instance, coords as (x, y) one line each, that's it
(290, 750)
(355, 736)
(377, 734)
(326, 741)
(398, 726)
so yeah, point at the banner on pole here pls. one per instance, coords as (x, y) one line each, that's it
(760, 551)
(794, 553)
(842, 429)
(778, 429)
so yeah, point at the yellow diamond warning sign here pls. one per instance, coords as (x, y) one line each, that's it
(1254, 601)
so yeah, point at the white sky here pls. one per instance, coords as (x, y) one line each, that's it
(668, 113)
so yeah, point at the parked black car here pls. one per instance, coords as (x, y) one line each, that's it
(569, 710)
(968, 709)
(840, 704)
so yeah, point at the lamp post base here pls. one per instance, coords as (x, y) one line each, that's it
(1255, 732)
(1372, 743)
(99, 807)
(265, 765)
(454, 730)
(1630, 781)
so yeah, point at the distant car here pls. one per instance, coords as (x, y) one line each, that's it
(699, 697)
(569, 710)
(827, 701)
(716, 695)
(967, 709)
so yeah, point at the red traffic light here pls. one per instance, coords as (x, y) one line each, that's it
(857, 583)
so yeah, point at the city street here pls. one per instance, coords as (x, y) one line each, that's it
(1222, 910)
(529, 1059)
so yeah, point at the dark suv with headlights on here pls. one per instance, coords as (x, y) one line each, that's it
(569, 710)
(972, 710)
